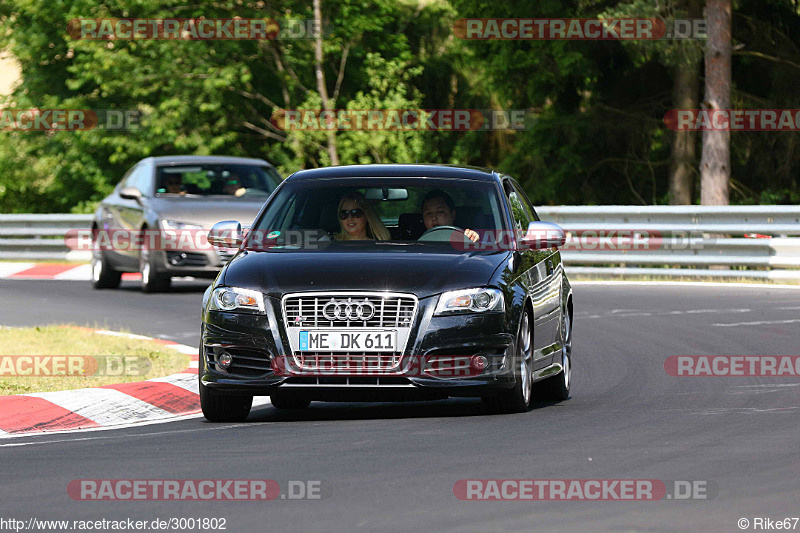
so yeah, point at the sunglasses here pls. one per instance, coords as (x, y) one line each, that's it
(355, 213)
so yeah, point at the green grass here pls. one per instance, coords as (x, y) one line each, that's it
(118, 359)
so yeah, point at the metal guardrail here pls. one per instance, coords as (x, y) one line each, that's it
(679, 241)
(685, 241)
(40, 237)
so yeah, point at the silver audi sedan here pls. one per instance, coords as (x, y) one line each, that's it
(156, 220)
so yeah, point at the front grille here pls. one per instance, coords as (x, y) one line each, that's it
(354, 362)
(392, 311)
(347, 381)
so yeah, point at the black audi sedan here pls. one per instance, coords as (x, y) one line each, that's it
(388, 283)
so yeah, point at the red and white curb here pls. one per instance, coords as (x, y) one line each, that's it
(62, 271)
(110, 406)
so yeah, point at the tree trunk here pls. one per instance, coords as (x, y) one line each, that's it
(681, 172)
(685, 96)
(715, 164)
(319, 58)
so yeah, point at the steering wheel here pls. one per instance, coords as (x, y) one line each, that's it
(255, 192)
(430, 235)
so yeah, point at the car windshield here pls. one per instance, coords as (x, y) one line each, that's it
(328, 213)
(217, 179)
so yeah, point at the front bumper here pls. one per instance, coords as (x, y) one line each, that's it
(197, 263)
(256, 340)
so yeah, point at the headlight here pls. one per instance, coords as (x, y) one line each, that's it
(174, 224)
(470, 301)
(235, 299)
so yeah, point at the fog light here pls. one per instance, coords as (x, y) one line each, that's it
(479, 362)
(224, 360)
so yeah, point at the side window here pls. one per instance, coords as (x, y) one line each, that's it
(526, 202)
(519, 211)
(140, 178)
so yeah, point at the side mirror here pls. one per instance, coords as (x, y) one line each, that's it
(226, 234)
(131, 193)
(543, 235)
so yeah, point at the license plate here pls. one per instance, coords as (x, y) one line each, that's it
(348, 341)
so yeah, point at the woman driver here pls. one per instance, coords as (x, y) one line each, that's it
(358, 220)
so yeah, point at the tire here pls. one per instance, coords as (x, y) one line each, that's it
(103, 274)
(557, 387)
(517, 399)
(286, 401)
(223, 407)
(152, 281)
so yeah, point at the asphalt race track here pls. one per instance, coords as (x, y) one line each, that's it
(392, 467)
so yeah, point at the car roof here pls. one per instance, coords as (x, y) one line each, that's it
(400, 171)
(184, 159)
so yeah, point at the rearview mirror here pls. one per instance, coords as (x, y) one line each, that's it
(130, 193)
(543, 235)
(386, 193)
(226, 234)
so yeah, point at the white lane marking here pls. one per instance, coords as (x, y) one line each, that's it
(664, 313)
(770, 385)
(79, 273)
(698, 311)
(9, 269)
(186, 350)
(184, 381)
(102, 428)
(758, 323)
(174, 335)
(686, 284)
(125, 335)
(724, 410)
(103, 406)
(257, 402)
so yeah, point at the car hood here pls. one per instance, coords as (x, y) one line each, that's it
(401, 270)
(207, 211)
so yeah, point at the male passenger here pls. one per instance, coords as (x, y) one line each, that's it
(174, 184)
(233, 186)
(438, 209)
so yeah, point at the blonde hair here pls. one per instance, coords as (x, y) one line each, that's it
(375, 228)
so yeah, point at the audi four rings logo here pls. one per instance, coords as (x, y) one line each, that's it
(342, 310)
